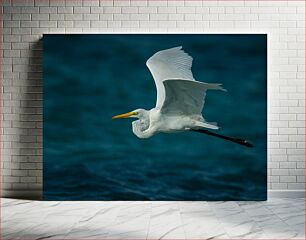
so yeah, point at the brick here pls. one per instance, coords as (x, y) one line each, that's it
(140, 17)
(11, 24)
(188, 10)
(147, 9)
(287, 165)
(273, 179)
(130, 24)
(82, 24)
(28, 179)
(161, 17)
(166, 10)
(91, 3)
(296, 124)
(195, 17)
(222, 24)
(289, 117)
(65, 24)
(106, 3)
(11, 10)
(277, 186)
(288, 179)
(19, 173)
(83, 10)
(287, 131)
(98, 24)
(176, 17)
(74, 3)
(260, 10)
(167, 24)
(273, 165)
(21, 16)
(29, 10)
(104, 17)
(11, 38)
(157, 3)
(265, 24)
(75, 16)
(10, 179)
(229, 17)
(296, 186)
(40, 17)
(64, 10)
(122, 3)
(35, 173)
(6, 172)
(184, 24)
(96, 10)
(280, 172)
(19, 186)
(41, 3)
(112, 10)
(195, 3)
(203, 10)
(148, 24)
(21, 31)
(297, 172)
(91, 16)
(297, 138)
(300, 165)
(242, 10)
(121, 17)
(300, 179)
(288, 53)
(30, 24)
(129, 10)
(230, 3)
(57, 17)
(23, 3)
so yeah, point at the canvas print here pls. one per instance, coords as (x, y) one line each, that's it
(155, 117)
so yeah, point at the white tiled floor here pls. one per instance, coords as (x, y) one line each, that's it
(273, 219)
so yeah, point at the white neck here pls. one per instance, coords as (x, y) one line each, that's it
(140, 131)
(142, 127)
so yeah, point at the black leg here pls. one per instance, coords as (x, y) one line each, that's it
(235, 140)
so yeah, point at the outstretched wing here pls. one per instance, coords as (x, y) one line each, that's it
(185, 97)
(171, 63)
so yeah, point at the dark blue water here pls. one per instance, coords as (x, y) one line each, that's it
(87, 156)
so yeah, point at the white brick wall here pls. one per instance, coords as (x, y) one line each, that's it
(24, 22)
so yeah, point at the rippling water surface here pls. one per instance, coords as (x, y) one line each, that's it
(87, 156)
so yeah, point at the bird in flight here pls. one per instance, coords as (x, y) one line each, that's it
(180, 99)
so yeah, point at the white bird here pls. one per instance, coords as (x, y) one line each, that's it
(180, 99)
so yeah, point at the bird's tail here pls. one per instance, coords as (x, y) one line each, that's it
(204, 124)
(215, 86)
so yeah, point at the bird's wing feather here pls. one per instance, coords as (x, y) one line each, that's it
(171, 63)
(185, 97)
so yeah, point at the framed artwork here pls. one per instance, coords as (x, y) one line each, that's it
(155, 117)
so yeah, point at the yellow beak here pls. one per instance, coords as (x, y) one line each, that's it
(124, 115)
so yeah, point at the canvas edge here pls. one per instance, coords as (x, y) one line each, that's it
(37, 194)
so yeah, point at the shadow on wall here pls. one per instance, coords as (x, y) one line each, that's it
(30, 124)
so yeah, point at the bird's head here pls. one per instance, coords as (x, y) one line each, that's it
(141, 125)
(137, 113)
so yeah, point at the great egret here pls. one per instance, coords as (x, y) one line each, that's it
(180, 99)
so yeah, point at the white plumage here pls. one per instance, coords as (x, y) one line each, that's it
(180, 99)
(172, 63)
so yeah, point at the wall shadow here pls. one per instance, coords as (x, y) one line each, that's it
(31, 122)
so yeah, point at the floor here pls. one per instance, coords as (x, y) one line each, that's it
(273, 219)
